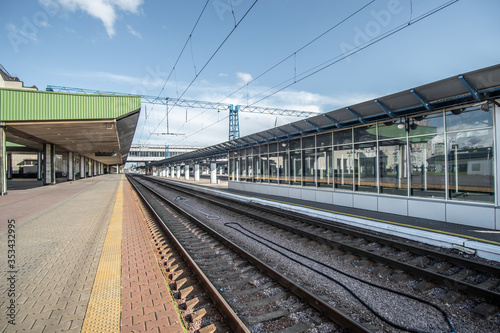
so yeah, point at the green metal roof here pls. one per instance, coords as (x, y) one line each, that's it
(33, 105)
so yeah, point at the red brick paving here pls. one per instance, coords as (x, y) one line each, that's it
(146, 301)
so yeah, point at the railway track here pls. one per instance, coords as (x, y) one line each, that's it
(399, 261)
(250, 295)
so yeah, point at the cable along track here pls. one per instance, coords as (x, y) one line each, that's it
(252, 296)
(458, 274)
(399, 261)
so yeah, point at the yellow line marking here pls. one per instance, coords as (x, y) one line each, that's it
(377, 220)
(104, 309)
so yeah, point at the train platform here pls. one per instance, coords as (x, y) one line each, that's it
(482, 242)
(80, 260)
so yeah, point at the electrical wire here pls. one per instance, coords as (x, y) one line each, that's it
(260, 239)
(300, 49)
(347, 54)
(211, 57)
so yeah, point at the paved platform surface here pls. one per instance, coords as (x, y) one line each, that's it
(485, 241)
(60, 237)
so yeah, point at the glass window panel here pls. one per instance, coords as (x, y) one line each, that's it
(343, 167)
(265, 168)
(366, 133)
(324, 167)
(469, 118)
(263, 149)
(393, 167)
(250, 168)
(342, 137)
(272, 147)
(427, 154)
(294, 144)
(309, 142)
(248, 151)
(243, 168)
(470, 166)
(255, 150)
(365, 167)
(232, 169)
(390, 130)
(295, 167)
(427, 124)
(284, 169)
(273, 168)
(309, 159)
(324, 140)
(257, 168)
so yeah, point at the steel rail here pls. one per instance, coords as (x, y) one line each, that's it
(317, 303)
(458, 285)
(234, 321)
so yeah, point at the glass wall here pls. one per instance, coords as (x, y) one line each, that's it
(283, 163)
(442, 155)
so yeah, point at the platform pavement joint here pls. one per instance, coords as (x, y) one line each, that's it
(58, 251)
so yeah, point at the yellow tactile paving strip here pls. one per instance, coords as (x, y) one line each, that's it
(103, 312)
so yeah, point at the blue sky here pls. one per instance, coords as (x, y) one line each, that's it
(131, 46)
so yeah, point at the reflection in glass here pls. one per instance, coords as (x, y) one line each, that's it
(257, 168)
(393, 167)
(295, 167)
(390, 130)
(265, 168)
(243, 168)
(309, 158)
(365, 167)
(249, 168)
(283, 168)
(365, 133)
(470, 166)
(342, 137)
(427, 167)
(343, 167)
(469, 118)
(324, 167)
(273, 168)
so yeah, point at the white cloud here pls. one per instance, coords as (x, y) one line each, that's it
(244, 77)
(133, 32)
(222, 74)
(104, 10)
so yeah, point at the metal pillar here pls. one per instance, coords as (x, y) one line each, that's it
(213, 172)
(197, 171)
(49, 170)
(234, 122)
(71, 162)
(117, 169)
(179, 172)
(3, 161)
(172, 171)
(186, 171)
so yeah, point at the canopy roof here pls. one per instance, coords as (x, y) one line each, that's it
(100, 127)
(476, 86)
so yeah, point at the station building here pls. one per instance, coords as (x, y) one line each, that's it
(70, 136)
(428, 152)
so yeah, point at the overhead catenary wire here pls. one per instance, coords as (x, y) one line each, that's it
(300, 49)
(347, 54)
(212, 56)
